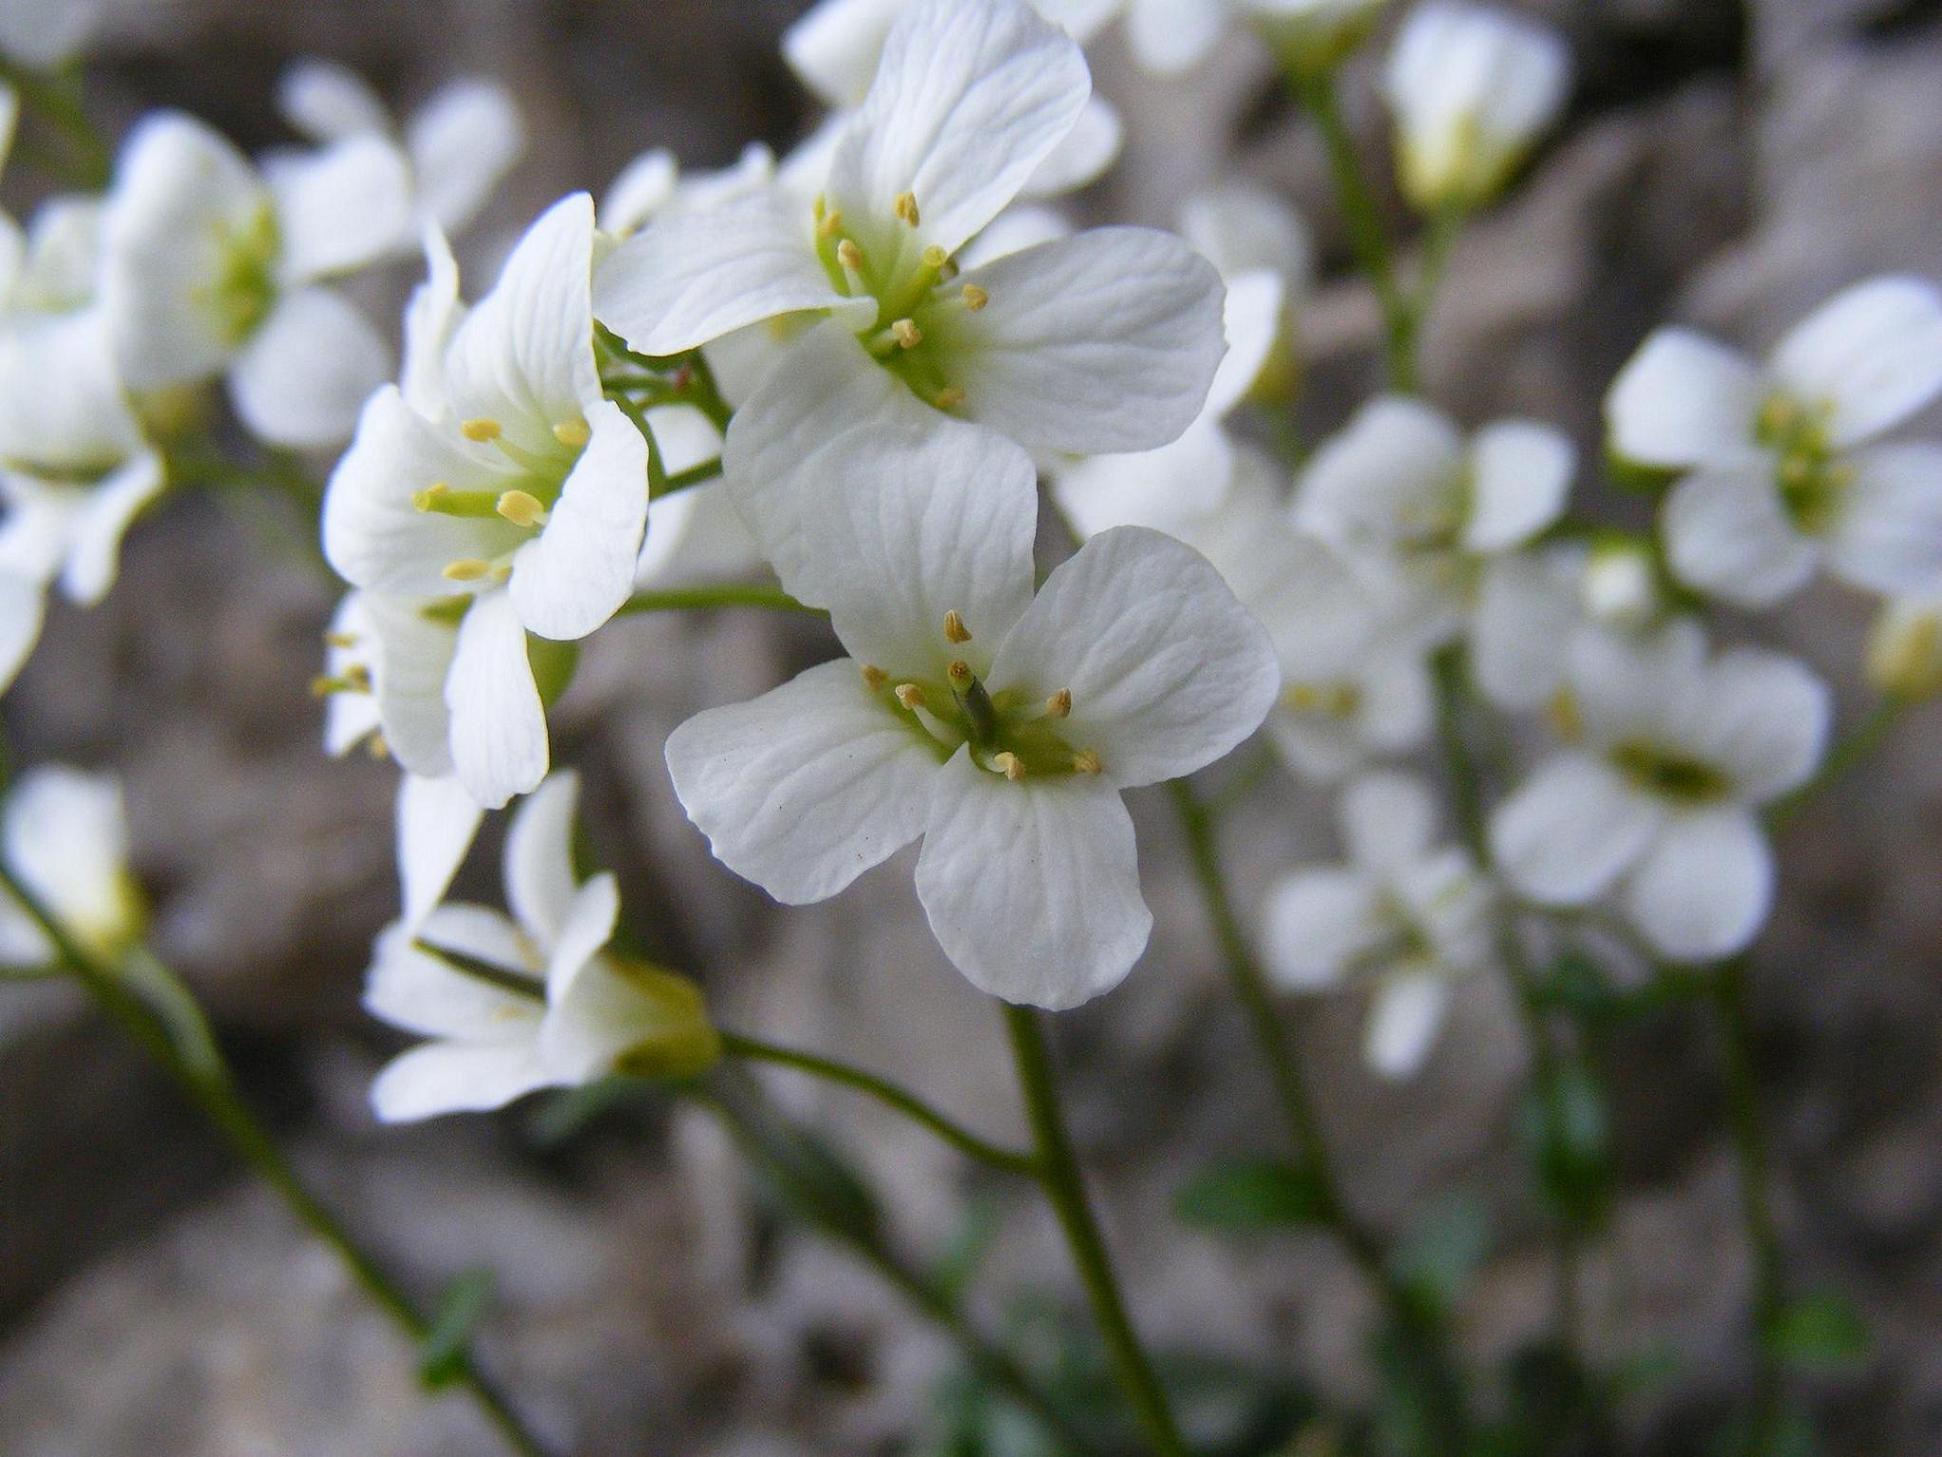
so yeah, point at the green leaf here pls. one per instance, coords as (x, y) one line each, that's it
(965, 1254)
(1251, 1194)
(447, 1346)
(1436, 1259)
(1567, 1132)
(1821, 1332)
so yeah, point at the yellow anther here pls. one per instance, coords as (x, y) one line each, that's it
(1086, 761)
(481, 430)
(960, 675)
(467, 569)
(356, 680)
(572, 433)
(934, 258)
(954, 629)
(948, 398)
(1059, 705)
(340, 639)
(906, 333)
(907, 208)
(1009, 765)
(849, 255)
(874, 677)
(427, 499)
(975, 298)
(522, 508)
(830, 223)
(377, 747)
(1566, 720)
(910, 696)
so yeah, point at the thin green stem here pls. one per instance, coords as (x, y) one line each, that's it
(1005, 1160)
(1065, 1188)
(694, 475)
(178, 1038)
(1848, 753)
(727, 594)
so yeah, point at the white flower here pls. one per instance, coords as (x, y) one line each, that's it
(500, 479)
(64, 836)
(1106, 341)
(654, 185)
(1784, 471)
(1404, 914)
(998, 726)
(42, 35)
(536, 1000)
(1659, 797)
(1402, 489)
(1471, 89)
(1311, 36)
(1905, 649)
(460, 143)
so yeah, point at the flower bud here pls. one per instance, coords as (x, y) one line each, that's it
(1620, 586)
(1905, 649)
(1313, 37)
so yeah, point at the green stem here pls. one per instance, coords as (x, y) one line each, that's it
(1735, 1021)
(1059, 1173)
(206, 1081)
(1857, 745)
(694, 475)
(728, 594)
(1005, 1160)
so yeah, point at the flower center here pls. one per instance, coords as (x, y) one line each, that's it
(244, 288)
(1010, 732)
(1812, 478)
(1669, 775)
(525, 507)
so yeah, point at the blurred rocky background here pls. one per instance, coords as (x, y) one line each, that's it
(1723, 163)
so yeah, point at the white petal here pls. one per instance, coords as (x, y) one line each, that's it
(23, 605)
(1628, 684)
(112, 504)
(1172, 489)
(808, 786)
(1243, 226)
(1388, 820)
(603, 1015)
(413, 657)
(455, 1077)
(1526, 612)
(1107, 341)
(1404, 1018)
(1251, 324)
(1570, 830)
(1173, 35)
(1395, 472)
(1728, 535)
(436, 821)
(1013, 231)
(587, 927)
(420, 992)
(540, 883)
(1084, 155)
(498, 724)
(691, 277)
(1874, 352)
(1033, 888)
(341, 207)
(481, 933)
(63, 410)
(1320, 922)
(1887, 536)
(67, 840)
(431, 318)
(328, 102)
(1706, 888)
(642, 189)
(968, 101)
(1684, 400)
(461, 143)
(1520, 477)
(42, 36)
(1167, 670)
(304, 375)
(580, 570)
(835, 47)
(1764, 719)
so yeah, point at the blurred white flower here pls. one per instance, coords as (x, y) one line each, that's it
(210, 267)
(535, 1000)
(999, 726)
(654, 185)
(1675, 753)
(1905, 649)
(63, 834)
(1311, 36)
(1106, 341)
(1783, 472)
(508, 483)
(1471, 90)
(1404, 915)
(43, 35)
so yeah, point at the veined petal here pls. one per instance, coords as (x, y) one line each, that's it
(1167, 670)
(806, 787)
(307, 371)
(1887, 536)
(1083, 156)
(457, 1077)
(968, 101)
(1570, 830)
(1032, 888)
(1872, 352)
(834, 48)
(580, 569)
(1251, 323)
(540, 883)
(1320, 922)
(688, 278)
(111, 506)
(1404, 1018)
(1396, 470)
(461, 142)
(436, 822)
(1388, 820)
(1728, 535)
(1103, 342)
(1684, 400)
(1764, 719)
(1520, 477)
(341, 207)
(414, 655)
(431, 318)
(499, 743)
(1706, 888)
(587, 926)
(1013, 231)
(1172, 489)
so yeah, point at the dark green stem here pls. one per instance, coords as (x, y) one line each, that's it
(1005, 1160)
(728, 594)
(1064, 1187)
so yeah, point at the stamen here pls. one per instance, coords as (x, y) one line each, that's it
(874, 677)
(1059, 705)
(522, 508)
(934, 258)
(1086, 761)
(572, 433)
(353, 680)
(910, 696)
(1010, 765)
(849, 255)
(467, 569)
(948, 398)
(428, 499)
(960, 675)
(829, 223)
(480, 430)
(954, 629)
(975, 298)
(377, 748)
(907, 208)
(340, 639)
(906, 333)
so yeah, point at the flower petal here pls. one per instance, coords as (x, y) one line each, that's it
(498, 730)
(1404, 1018)
(1764, 719)
(1388, 820)
(1570, 830)
(1874, 352)
(1684, 400)
(327, 102)
(112, 504)
(834, 48)
(461, 142)
(341, 207)
(1251, 320)
(436, 822)
(481, 933)
(1320, 922)
(1084, 154)
(1887, 536)
(23, 606)
(580, 569)
(408, 671)
(1167, 670)
(540, 883)
(1520, 477)
(587, 926)
(1172, 489)
(307, 371)
(1527, 609)
(1706, 888)
(420, 992)
(1105, 341)
(457, 1077)
(1169, 36)
(1032, 888)
(1398, 465)
(806, 787)
(1728, 535)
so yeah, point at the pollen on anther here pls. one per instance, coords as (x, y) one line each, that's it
(481, 430)
(907, 208)
(906, 333)
(1010, 765)
(467, 569)
(830, 224)
(426, 499)
(377, 747)
(1086, 761)
(874, 677)
(910, 696)
(959, 673)
(934, 258)
(522, 508)
(340, 639)
(975, 298)
(849, 255)
(572, 433)
(1059, 705)
(948, 398)
(954, 629)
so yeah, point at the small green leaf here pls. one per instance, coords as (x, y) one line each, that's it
(447, 1346)
(1437, 1258)
(1251, 1194)
(1821, 1332)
